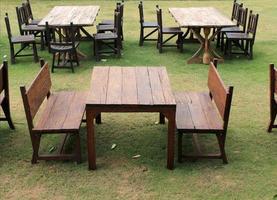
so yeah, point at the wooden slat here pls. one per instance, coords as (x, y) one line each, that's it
(275, 76)
(129, 86)
(218, 90)
(99, 84)
(200, 17)
(114, 91)
(1, 78)
(143, 86)
(156, 86)
(168, 95)
(39, 89)
(64, 15)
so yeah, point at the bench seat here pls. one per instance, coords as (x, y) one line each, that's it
(195, 112)
(63, 112)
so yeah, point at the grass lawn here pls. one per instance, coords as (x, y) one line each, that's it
(252, 153)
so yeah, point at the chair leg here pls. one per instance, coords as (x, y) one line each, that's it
(141, 37)
(71, 62)
(221, 147)
(35, 52)
(53, 63)
(161, 43)
(218, 39)
(222, 41)
(12, 54)
(42, 41)
(272, 120)
(6, 109)
(180, 42)
(96, 51)
(251, 51)
(180, 141)
(78, 149)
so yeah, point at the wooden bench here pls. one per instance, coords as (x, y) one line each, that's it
(4, 94)
(204, 112)
(63, 114)
(272, 93)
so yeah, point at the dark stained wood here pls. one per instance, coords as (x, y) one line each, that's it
(272, 99)
(206, 113)
(63, 114)
(130, 89)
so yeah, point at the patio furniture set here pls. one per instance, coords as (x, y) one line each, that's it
(127, 89)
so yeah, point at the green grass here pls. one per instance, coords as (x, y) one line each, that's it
(252, 153)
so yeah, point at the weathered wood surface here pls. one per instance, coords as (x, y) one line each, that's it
(200, 17)
(64, 15)
(130, 86)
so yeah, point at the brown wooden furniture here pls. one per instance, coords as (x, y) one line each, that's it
(202, 17)
(130, 89)
(171, 31)
(25, 28)
(272, 99)
(153, 26)
(205, 113)
(62, 45)
(63, 114)
(23, 40)
(29, 14)
(111, 40)
(238, 39)
(4, 94)
(80, 16)
(235, 16)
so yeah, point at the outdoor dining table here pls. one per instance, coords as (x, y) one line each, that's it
(80, 16)
(130, 89)
(196, 18)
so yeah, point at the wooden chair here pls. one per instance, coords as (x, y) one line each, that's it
(23, 40)
(236, 17)
(111, 40)
(29, 14)
(63, 46)
(25, 28)
(153, 26)
(4, 94)
(119, 5)
(204, 113)
(63, 114)
(272, 93)
(172, 31)
(248, 37)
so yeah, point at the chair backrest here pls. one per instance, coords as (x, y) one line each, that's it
(221, 95)
(60, 35)
(34, 96)
(159, 17)
(8, 27)
(272, 84)
(141, 16)
(242, 17)
(28, 10)
(235, 11)
(21, 18)
(117, 23)
(252, 24)
(4, 81)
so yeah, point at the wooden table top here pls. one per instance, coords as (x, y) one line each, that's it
(130, 86)
(200, 17)
(64, 15)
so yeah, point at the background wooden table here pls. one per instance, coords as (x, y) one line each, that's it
(197, 18)
(130, 89)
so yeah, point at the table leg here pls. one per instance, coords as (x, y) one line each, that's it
(91, 140)
(207, 57)
(170, 115)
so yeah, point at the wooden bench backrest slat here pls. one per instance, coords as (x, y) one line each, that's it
(39, 89)
(217, 90)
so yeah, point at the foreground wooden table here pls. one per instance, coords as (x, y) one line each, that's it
(206, 18)
(130, 89)
(80, 16)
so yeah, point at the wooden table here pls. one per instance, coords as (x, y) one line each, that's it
(202, 17)
(130, 89)
(80, 16)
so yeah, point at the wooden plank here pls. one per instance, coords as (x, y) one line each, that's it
(218, 90)
(275, 77)
(99, 85)
(129, 86)
(114, 90)
(168, 95)
(64, 15)
(156, 86)
(39, 89)
(200, 17)
(143, 86)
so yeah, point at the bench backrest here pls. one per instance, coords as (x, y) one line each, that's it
(221, 94)
(34, 96)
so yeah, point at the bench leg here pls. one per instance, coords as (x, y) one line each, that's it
(78, 149)
(6, 110)
(271, 123)
(220, 139)
(180, 142)
(36, 143)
